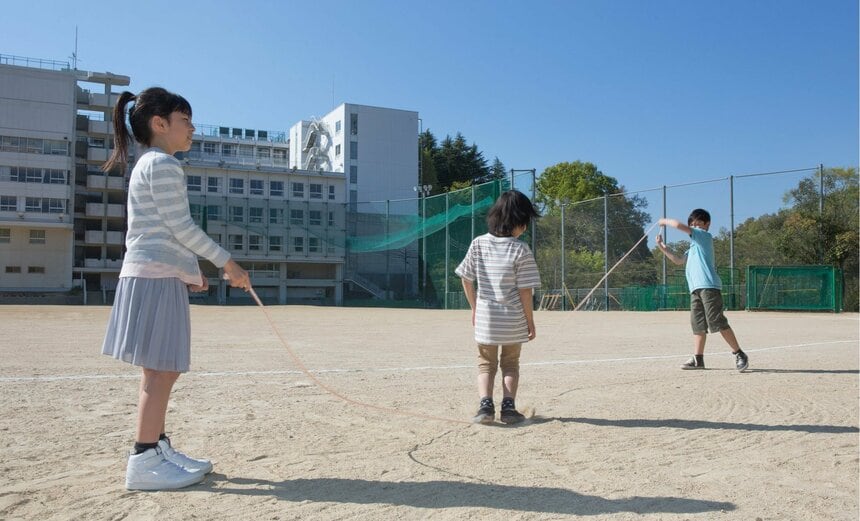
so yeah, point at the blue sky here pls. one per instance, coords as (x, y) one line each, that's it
(653, 92)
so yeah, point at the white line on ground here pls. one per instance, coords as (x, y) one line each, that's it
(56, 378)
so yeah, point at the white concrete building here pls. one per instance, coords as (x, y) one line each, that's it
(285, 225)
(376, 147)
(47, 151)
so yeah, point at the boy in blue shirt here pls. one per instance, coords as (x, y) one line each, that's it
(706, 299)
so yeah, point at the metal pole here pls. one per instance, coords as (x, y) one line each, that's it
(447, 250)
(732, 241)
(424, 243)
(533, 224)
(820, 212)
(563, 272)
(606, 250)
(663, 233)
(473, 211)
(387, 249)
(512, 179)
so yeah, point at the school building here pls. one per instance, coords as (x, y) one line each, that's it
(281, 203)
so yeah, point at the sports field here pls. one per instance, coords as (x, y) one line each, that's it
(617, 431)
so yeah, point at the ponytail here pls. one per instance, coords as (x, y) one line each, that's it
(153, 101)
(121, 136)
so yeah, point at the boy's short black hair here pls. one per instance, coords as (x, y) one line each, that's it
(512, 209)
(698, 215)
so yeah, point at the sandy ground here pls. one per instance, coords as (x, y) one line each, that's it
(617, 430)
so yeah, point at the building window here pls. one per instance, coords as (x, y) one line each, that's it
(8, 203)
(34, 175)
(298, 190)
(213, 212)
(276, 188)
(337, 127)
(13, 269)
(196, 212)
(313, 244)
(353, 149)
(279, 156)
(237, 185)
(237, 214)
(33, 204)
(276, 216)
(236, 242)
(5, 235)
(314, 218)
(331, 218)
(246, 151)
(37, 237)
(337, 150)
(331, 192)
(316, 191)
(56, 177)
(353, 200)
(195, 183)
(209, 148)
(213, 185)
(264, 152)
(36, 269)
(55, 205)
(255, 243)
(255, 215)
(228, 150)
(274, 243)
(353, 124)
(297, 217)
(353, 174)
(215, 237)
(298, 244)
(256, 187)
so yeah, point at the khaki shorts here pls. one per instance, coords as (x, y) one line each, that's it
(706, 311)
(488, 359)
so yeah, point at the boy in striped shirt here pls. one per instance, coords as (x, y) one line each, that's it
(506, 274)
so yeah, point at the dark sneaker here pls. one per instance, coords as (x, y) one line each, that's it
(509, 414)
(486, 412)
(692, 363)
(742, 361)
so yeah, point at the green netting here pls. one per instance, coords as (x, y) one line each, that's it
(797, 288)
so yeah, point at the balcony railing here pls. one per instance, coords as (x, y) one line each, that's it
(36, 63)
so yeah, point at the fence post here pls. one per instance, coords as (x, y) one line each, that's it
(447, 249)
(664, 298)
(732, 297)
(606, 250)
(820, 212)
(563, 292)
(387, 249)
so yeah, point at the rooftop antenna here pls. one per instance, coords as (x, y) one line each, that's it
(75, 54)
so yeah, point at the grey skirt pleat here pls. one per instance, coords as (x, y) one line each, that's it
(150, 324)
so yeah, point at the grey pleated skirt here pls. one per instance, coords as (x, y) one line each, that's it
(150, 324)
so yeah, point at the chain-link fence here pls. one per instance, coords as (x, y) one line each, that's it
(404, 253)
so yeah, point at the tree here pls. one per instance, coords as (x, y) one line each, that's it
(574, 182)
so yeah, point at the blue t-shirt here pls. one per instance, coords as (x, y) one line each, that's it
(701, 271)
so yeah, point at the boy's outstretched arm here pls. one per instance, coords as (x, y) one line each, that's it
(669, 255)
(674, 223)
(469, 290)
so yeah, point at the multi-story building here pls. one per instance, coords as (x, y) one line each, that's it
(283, 207)
(57, 210)
(284, 224)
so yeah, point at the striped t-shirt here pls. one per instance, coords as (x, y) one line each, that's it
(162, 240)
(501, 266)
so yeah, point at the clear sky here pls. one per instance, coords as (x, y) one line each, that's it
(653, 92)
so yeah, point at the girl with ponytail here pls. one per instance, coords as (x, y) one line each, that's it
(149, 323)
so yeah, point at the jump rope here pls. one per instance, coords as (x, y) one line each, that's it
(334, 392)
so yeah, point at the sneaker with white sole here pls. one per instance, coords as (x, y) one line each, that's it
(188, 463)
(693, 363)
(150, 470)
(742, 361)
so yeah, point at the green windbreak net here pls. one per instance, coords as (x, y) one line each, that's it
(797, 288)
(409, 228)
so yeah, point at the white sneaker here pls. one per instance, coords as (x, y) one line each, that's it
(149, 470)
(204, 466)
